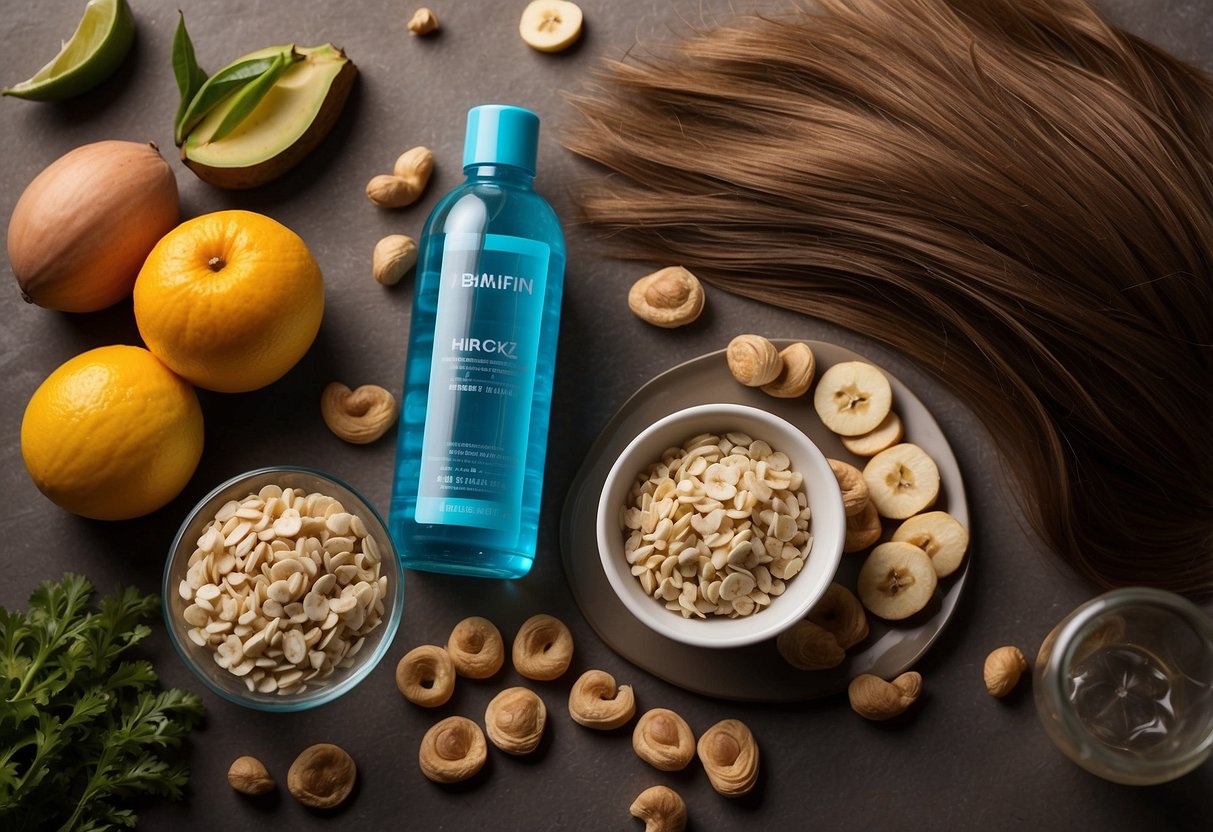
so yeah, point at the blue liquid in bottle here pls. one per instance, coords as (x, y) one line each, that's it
(481, 357)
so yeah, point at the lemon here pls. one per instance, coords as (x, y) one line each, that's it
(98, 46)
(112, 434)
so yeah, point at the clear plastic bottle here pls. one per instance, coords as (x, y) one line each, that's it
(481, 356)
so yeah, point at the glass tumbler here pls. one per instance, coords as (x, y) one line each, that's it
(1124, 686)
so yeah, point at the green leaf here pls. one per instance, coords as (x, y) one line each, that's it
(119, 626)
(248, 98)
(80, 730)
(56, 621)
(190, 76)
(222, 84)
(134, 675)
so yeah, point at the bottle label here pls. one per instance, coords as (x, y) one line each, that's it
(482, 377)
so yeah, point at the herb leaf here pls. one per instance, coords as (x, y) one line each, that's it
(190, 76)
(79, 727)
(248, 98)
(224, 83)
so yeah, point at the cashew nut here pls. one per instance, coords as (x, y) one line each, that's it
(395, 255)
(358, 416)
(515, 719)
(663, 740)
(669, 298)
(808, 646)
(543, 648)
(797, 367)
(874, 698)
(423, 22)
(452, 750)
(426, 676)
(476, 648)
(248, 775)
(321, 776)
(852, 485)
(596, 702)
(1002, 670)
(753, 360)
(661, 808)
(840, 612)
(729, 754)
(406, 182)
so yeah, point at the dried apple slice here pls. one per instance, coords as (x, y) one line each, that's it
(896, 581)
(940, 535)
(902, 481)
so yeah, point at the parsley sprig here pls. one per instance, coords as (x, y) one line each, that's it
(80, 727)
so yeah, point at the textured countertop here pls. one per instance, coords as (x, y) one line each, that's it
(962, 761)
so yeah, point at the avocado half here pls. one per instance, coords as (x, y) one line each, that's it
(287, 124)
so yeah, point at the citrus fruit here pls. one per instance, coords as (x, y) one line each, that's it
(100, 43)
(112, 434)
(229, 301)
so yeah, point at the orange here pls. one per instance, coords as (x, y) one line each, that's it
(112, 434)
(229, 301)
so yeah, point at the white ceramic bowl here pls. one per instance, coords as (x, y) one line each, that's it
(827, 525)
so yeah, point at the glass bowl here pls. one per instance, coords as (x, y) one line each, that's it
(828, 525)
(201, 660)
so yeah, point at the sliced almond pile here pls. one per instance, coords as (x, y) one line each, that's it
(717, 526)
(283, 587)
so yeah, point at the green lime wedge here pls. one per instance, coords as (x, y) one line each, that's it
(99, 45)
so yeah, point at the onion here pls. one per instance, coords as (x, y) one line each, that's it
(83, 227)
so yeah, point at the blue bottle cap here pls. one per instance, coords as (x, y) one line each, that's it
(501, 135)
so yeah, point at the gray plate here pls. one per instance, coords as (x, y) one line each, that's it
(755, 673)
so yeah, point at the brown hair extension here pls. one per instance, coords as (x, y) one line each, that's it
(1012, 192)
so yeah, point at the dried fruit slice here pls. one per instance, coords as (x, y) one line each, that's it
(852, 398)
(550, 25)
(902, 481)
(896, 581)
(940, 535)
(887, 434)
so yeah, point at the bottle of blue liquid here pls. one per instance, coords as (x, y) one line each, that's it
(481, 356)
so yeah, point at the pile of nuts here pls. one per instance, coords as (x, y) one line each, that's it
(455, 749)
(284, 587)
(717, 526)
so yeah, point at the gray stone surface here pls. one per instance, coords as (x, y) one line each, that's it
(963, 761)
